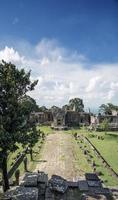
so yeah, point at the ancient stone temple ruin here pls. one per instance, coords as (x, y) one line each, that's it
(112, 120)
(59, 118)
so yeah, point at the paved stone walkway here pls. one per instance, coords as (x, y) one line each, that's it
(57, 156)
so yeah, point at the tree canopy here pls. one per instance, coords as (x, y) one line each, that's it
(43, 109)
(106, 109)
(104, 125)
(29, 105)
(65, 107)
(76, 104)
(15, 109)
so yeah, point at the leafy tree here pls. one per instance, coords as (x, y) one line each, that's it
(65, 107)
(14, 117)
(104, 125)
(106, 109)
(54, 109)
(43, 109)
(76, 104)
(32, 140)
(112, 106)
(29, 105)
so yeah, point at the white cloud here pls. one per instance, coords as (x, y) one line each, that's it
(49, 50)
(111, 94)
(93, 83)
(45, 61)
(64, 74)
(114, 85)
(10, 55)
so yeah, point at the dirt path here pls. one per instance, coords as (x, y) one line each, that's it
(57, 156)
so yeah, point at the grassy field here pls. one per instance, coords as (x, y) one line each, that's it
(46, 129)
(81, 163)
(31, 164)
(105, 173)
(108, 147)
(36, 149)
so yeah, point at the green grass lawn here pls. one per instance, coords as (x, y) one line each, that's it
(81, 163)
(36, 157)
(108, 148)
(31, 164)
(105, 173)
(36, 149)
(46, 129)
(36, 154)
(13, 155)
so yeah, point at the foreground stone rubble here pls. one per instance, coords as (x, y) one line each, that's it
(36, 186)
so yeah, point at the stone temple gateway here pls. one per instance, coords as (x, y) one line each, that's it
(60, 119)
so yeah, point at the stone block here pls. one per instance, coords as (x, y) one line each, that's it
(30, 180)
(99, 190)
(72, 184)
(58, 184)
(49, 194)
(94, 183)
(22, 193)
(42, 177)
(91, 176)
(83, 186)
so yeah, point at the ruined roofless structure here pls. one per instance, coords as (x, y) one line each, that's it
(60, 118)
(112, 119)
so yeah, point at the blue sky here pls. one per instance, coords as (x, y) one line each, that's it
(89, 26)
(78, 36)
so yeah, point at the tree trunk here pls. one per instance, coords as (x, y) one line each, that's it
(31, 154)
(4, 174)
